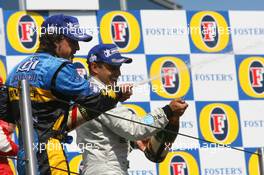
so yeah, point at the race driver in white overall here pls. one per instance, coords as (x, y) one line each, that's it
(104, 141)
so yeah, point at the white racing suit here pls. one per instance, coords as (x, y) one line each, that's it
(104, 140)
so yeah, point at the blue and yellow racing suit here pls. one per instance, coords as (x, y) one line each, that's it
(54, 85)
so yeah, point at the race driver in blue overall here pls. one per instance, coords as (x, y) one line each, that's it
(54, 86)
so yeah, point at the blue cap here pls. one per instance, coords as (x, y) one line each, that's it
(107, 53)
(65, 25)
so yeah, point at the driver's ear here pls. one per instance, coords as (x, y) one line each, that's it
(95, 67)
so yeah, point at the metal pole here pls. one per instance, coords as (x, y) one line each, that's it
(261, 160)
(27, 128)
(22, 5)
(123, 5)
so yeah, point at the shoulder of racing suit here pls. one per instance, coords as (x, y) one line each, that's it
(38, 76)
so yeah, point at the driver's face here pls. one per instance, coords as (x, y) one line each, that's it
(66, 48)
(107, 73)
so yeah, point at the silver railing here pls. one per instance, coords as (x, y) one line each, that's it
(27, 128)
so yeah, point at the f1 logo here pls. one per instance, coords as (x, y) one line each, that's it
(209, 30)
(169, 76)
(257, 76)
(27, 29)
(218, 123)
(119, 31)
(178, 168)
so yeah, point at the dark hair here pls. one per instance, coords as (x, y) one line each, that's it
(47, 43)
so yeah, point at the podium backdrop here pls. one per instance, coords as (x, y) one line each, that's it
(217, 64)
